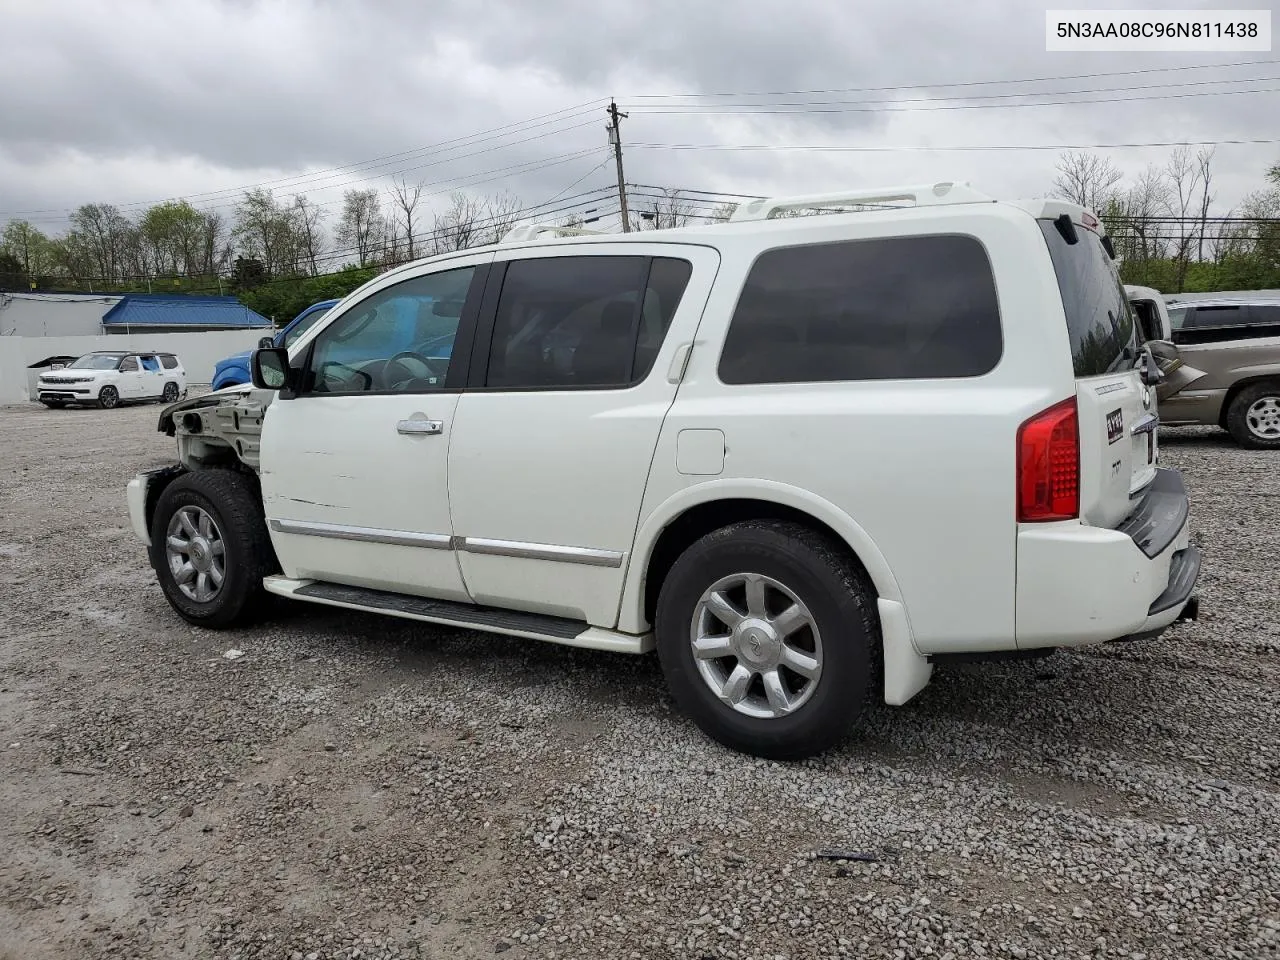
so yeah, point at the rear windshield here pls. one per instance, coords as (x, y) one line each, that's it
(1099, 319)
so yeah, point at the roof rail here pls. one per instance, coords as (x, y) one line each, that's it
(531, 231)
(929, 194)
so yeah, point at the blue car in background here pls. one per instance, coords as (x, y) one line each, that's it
(234, 370)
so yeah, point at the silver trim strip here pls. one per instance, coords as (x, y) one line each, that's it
(1145, 424)
(540, 551)
(338, 531)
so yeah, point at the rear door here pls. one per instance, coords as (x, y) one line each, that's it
(1118, 442)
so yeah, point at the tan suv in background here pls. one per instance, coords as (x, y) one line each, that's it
(1224, 368)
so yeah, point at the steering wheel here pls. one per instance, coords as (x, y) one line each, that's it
(435, 370)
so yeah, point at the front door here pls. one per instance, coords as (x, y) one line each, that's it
(571, 379)
(354, 466)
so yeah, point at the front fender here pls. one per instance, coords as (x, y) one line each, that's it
(230, 376)
(631, 615)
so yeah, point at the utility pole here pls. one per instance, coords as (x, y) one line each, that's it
(615, 139)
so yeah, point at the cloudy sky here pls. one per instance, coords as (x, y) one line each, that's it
(135, 101)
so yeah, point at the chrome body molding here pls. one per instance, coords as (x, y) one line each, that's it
(540, 551)
(440, 541)
(339, 531)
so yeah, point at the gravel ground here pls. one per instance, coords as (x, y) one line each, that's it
(364, 787)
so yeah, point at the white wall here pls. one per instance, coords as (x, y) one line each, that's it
(53, 314)
(197, 351)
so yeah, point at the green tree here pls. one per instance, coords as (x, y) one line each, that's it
(13, 276)
(29, 247)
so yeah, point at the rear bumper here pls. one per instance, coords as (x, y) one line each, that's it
(1080, 585)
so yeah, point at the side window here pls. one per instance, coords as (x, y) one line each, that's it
(305, 324)
(1264, 315)
(587, 321)
(398, 340)
(1217, 317)
(169, 362)
(1178, 317)
(129, 365)
(150, 363)
(897, 308)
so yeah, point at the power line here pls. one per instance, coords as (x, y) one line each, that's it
(1000, 96)
(966, 83)
(309, 176)
(682, 110)
(834, 148)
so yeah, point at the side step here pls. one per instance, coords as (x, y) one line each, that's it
(535, 626)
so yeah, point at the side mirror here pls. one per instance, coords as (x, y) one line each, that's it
(1150, 367)
(1163, 349)
(266, 343)
(271, 371)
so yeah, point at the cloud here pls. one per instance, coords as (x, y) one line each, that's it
(142, 101)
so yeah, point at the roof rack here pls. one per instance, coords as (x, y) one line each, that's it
(531, 231)
(929, 194)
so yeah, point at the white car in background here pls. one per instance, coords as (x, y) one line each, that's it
(108, 378)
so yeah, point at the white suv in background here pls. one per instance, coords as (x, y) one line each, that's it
(806, 457)
(108, 378)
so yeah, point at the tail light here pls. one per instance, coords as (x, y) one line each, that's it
(1049, 465)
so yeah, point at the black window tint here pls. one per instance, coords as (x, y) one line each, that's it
(170, 363)
(1264, 315)
(667, 279)
(1099, 319)
(398, 340)
(1227, 316)
(567, 322)
(897, 308)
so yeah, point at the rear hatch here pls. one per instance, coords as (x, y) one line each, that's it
(1117, 412)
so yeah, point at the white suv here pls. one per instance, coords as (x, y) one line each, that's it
(108, 378)
(807, 457)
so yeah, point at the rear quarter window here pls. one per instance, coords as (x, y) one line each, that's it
(899, 308)
(1100, 320)
(170, 363)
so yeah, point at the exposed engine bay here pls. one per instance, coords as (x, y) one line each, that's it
(218, 428)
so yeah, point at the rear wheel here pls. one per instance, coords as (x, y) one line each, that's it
(768, 639)
(108, 397)
(1254, 416)
(170, 394)
(210, 549)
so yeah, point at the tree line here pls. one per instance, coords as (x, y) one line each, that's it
(1164, 227)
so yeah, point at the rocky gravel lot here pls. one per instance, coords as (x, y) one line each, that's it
(363, 787)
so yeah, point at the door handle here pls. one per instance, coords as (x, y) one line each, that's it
(420, 427)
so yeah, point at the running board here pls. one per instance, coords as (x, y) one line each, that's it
(515, 623)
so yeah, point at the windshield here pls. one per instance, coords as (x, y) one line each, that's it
(303, 326)
(1099, 318)
(96, 361)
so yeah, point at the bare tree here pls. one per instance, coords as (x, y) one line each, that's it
(1183, 175)
(1086, 179)
(266, 231)
(459, 226)
(665, 212)
(361, 228)
(308, 217)
(723, 212)
(405, 198)
(1204, 163)
(500, 214)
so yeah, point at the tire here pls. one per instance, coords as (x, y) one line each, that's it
(54, 404)
(230, 501)
(108, 397)
(170, 394)
(796, 564)
(1253, 418)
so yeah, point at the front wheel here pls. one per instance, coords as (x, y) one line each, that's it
(108, 397)
(1254, 417)
(768, 639)
(210, 549)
